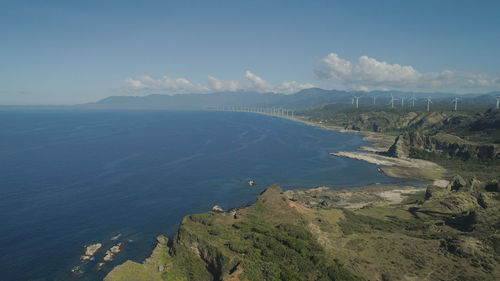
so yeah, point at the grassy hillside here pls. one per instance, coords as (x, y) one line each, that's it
(267, 241)
(465, 142)
(441, 235)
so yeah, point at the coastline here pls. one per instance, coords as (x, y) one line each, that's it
(391, 166)
(357, 198)
(331, 216)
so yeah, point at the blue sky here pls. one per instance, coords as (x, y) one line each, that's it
(67, 52)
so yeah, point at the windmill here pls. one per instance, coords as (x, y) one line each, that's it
(402, 101)
(428, 104)
(391, 102)
(413, 99)
(455, 100)
(374, 98)
(498, 101)
(357, 100)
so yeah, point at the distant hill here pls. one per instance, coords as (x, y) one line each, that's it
(303, 99)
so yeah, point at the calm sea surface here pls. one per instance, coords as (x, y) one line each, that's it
(70, 178)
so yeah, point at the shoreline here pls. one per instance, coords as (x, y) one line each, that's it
(411, 168)
(354, 198)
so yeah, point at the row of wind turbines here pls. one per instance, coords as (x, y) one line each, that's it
(274, 111)
(355, 100)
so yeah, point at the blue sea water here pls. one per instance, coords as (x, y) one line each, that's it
(71, 178)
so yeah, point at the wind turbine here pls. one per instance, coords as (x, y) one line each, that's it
(392, 101)
(357, 100)
(498, 101)
(413, 99)
(428, 104)
(455, 100)
(402, 101)
(374, 98)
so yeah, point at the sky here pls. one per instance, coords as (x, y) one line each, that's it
(70, 52)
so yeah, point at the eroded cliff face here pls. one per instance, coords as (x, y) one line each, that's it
(442, 143)
(388, 121)
(458, 123)
(400, 148)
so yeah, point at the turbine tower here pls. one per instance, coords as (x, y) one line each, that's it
(428, 104)
(357, 100)
(392, 101)
(455, 100)
(374, 98)
(402, 101)
(498, 101)
(413, 99)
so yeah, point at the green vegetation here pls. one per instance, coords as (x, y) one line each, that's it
(485, 170)
(450, 233)
(465, 142)
(268, 241)
(476, 123)
(354, 222)
(444, 235)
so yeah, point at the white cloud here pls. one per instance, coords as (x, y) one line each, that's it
(182, 85)
(220, 85)
(380, 74)
(335, 67)
(134, 84)
(257, 82)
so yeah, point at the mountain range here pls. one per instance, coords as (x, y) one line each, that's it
(300, 100)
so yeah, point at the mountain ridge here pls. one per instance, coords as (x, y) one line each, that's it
(302, 99)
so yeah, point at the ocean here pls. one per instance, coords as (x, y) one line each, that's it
(69, 178)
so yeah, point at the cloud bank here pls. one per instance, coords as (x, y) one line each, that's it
(183, 85)
(369, 72)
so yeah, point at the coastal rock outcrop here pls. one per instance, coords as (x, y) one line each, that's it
(217, 209)
(416, 142)
(452, 146)
(90, 251)
(400, 148)
(459, 196)
(456, 184)
(112, 252)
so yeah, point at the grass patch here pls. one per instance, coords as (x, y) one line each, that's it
(358, 223)
(483, 170)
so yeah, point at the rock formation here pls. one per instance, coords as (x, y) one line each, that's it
(91, 250)
(112, 252)
(441, 143)
(217, 209)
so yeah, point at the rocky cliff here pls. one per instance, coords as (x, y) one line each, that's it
(442, 143)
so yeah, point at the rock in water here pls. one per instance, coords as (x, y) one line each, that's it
(111, 253)
(91, 250)
(217, 209)
(100, 265)
(76, 270)
(251, 183)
